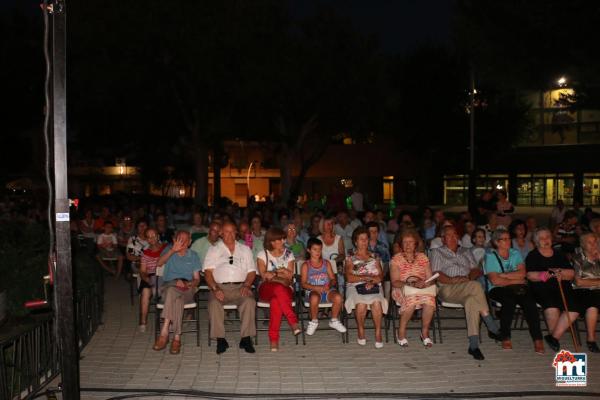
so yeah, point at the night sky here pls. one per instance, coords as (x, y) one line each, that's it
(400, 24)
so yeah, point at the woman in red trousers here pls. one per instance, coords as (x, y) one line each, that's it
(276, 268)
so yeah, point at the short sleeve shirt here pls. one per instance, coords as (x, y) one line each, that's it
(508, 265)
(181, 267)
(104, 238)
(275, 263)
(136, 245)
(227, 267)
(536, 262)
(450, 263)
(586, 269)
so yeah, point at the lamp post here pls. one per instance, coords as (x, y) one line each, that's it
(472, 179)
(63, 285)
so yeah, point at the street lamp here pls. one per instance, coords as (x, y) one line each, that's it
(562, 81)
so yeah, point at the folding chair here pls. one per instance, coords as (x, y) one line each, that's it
(450, 306)
(188, 306)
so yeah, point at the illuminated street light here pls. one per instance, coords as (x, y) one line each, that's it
(562, 81)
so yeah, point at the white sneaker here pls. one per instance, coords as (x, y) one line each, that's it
(312, 327)
(337, 325)
(362, 342)
(142, 328)
(378, 345)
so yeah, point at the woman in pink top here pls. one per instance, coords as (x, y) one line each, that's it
(411, 268)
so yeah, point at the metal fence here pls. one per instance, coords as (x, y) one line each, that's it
(30, 359)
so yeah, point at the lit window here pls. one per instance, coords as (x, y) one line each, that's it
(388, 189)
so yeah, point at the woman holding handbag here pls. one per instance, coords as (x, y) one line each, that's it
(276, 268)
(363, 289)
(409, 271)
(506, 275)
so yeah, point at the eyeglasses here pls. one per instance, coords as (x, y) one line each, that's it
(230, 260)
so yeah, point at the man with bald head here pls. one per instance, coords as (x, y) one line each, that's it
(229, 270)
(181, 277)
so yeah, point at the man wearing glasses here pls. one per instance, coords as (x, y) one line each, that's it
(230, 271)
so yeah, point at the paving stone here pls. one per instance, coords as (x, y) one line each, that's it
(120, 357)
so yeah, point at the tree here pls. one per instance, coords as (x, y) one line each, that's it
(326, 80)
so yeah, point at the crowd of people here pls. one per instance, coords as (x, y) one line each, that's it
(343, 256)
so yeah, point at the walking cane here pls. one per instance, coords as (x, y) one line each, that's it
(571, 328)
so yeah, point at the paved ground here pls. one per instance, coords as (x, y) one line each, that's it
(119, 358)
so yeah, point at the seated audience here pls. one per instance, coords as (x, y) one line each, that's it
(181, 277)
(364, 275)
(506, 275)
(147, 286)
(458, 284)
(546, 267)
(108, 250)
(410, 268)
(319, 283)
(230, 271)
(276, 267)
(586, 290)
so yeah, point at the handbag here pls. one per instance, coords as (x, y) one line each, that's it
(413, 291)
(277, 279)
(362, 289)
(516, 289)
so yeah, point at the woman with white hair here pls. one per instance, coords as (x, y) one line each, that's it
(505, 271)
(586, 288)
(546, 267)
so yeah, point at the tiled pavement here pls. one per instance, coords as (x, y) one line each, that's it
(118, 357)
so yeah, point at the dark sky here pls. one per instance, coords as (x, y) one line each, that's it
(400, 24)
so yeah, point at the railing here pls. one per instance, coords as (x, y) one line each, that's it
(30, 360)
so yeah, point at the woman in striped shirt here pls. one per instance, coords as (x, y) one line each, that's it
(149, 261)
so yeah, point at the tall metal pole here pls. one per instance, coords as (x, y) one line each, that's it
(63, 286)
(472, 179)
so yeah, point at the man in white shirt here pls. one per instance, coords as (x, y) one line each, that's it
(230, 270)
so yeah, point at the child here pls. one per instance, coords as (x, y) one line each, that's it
(318, 282)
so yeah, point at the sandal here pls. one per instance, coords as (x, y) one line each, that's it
(296, 331)
(427, 342)
(403, 342)
(274, 347)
